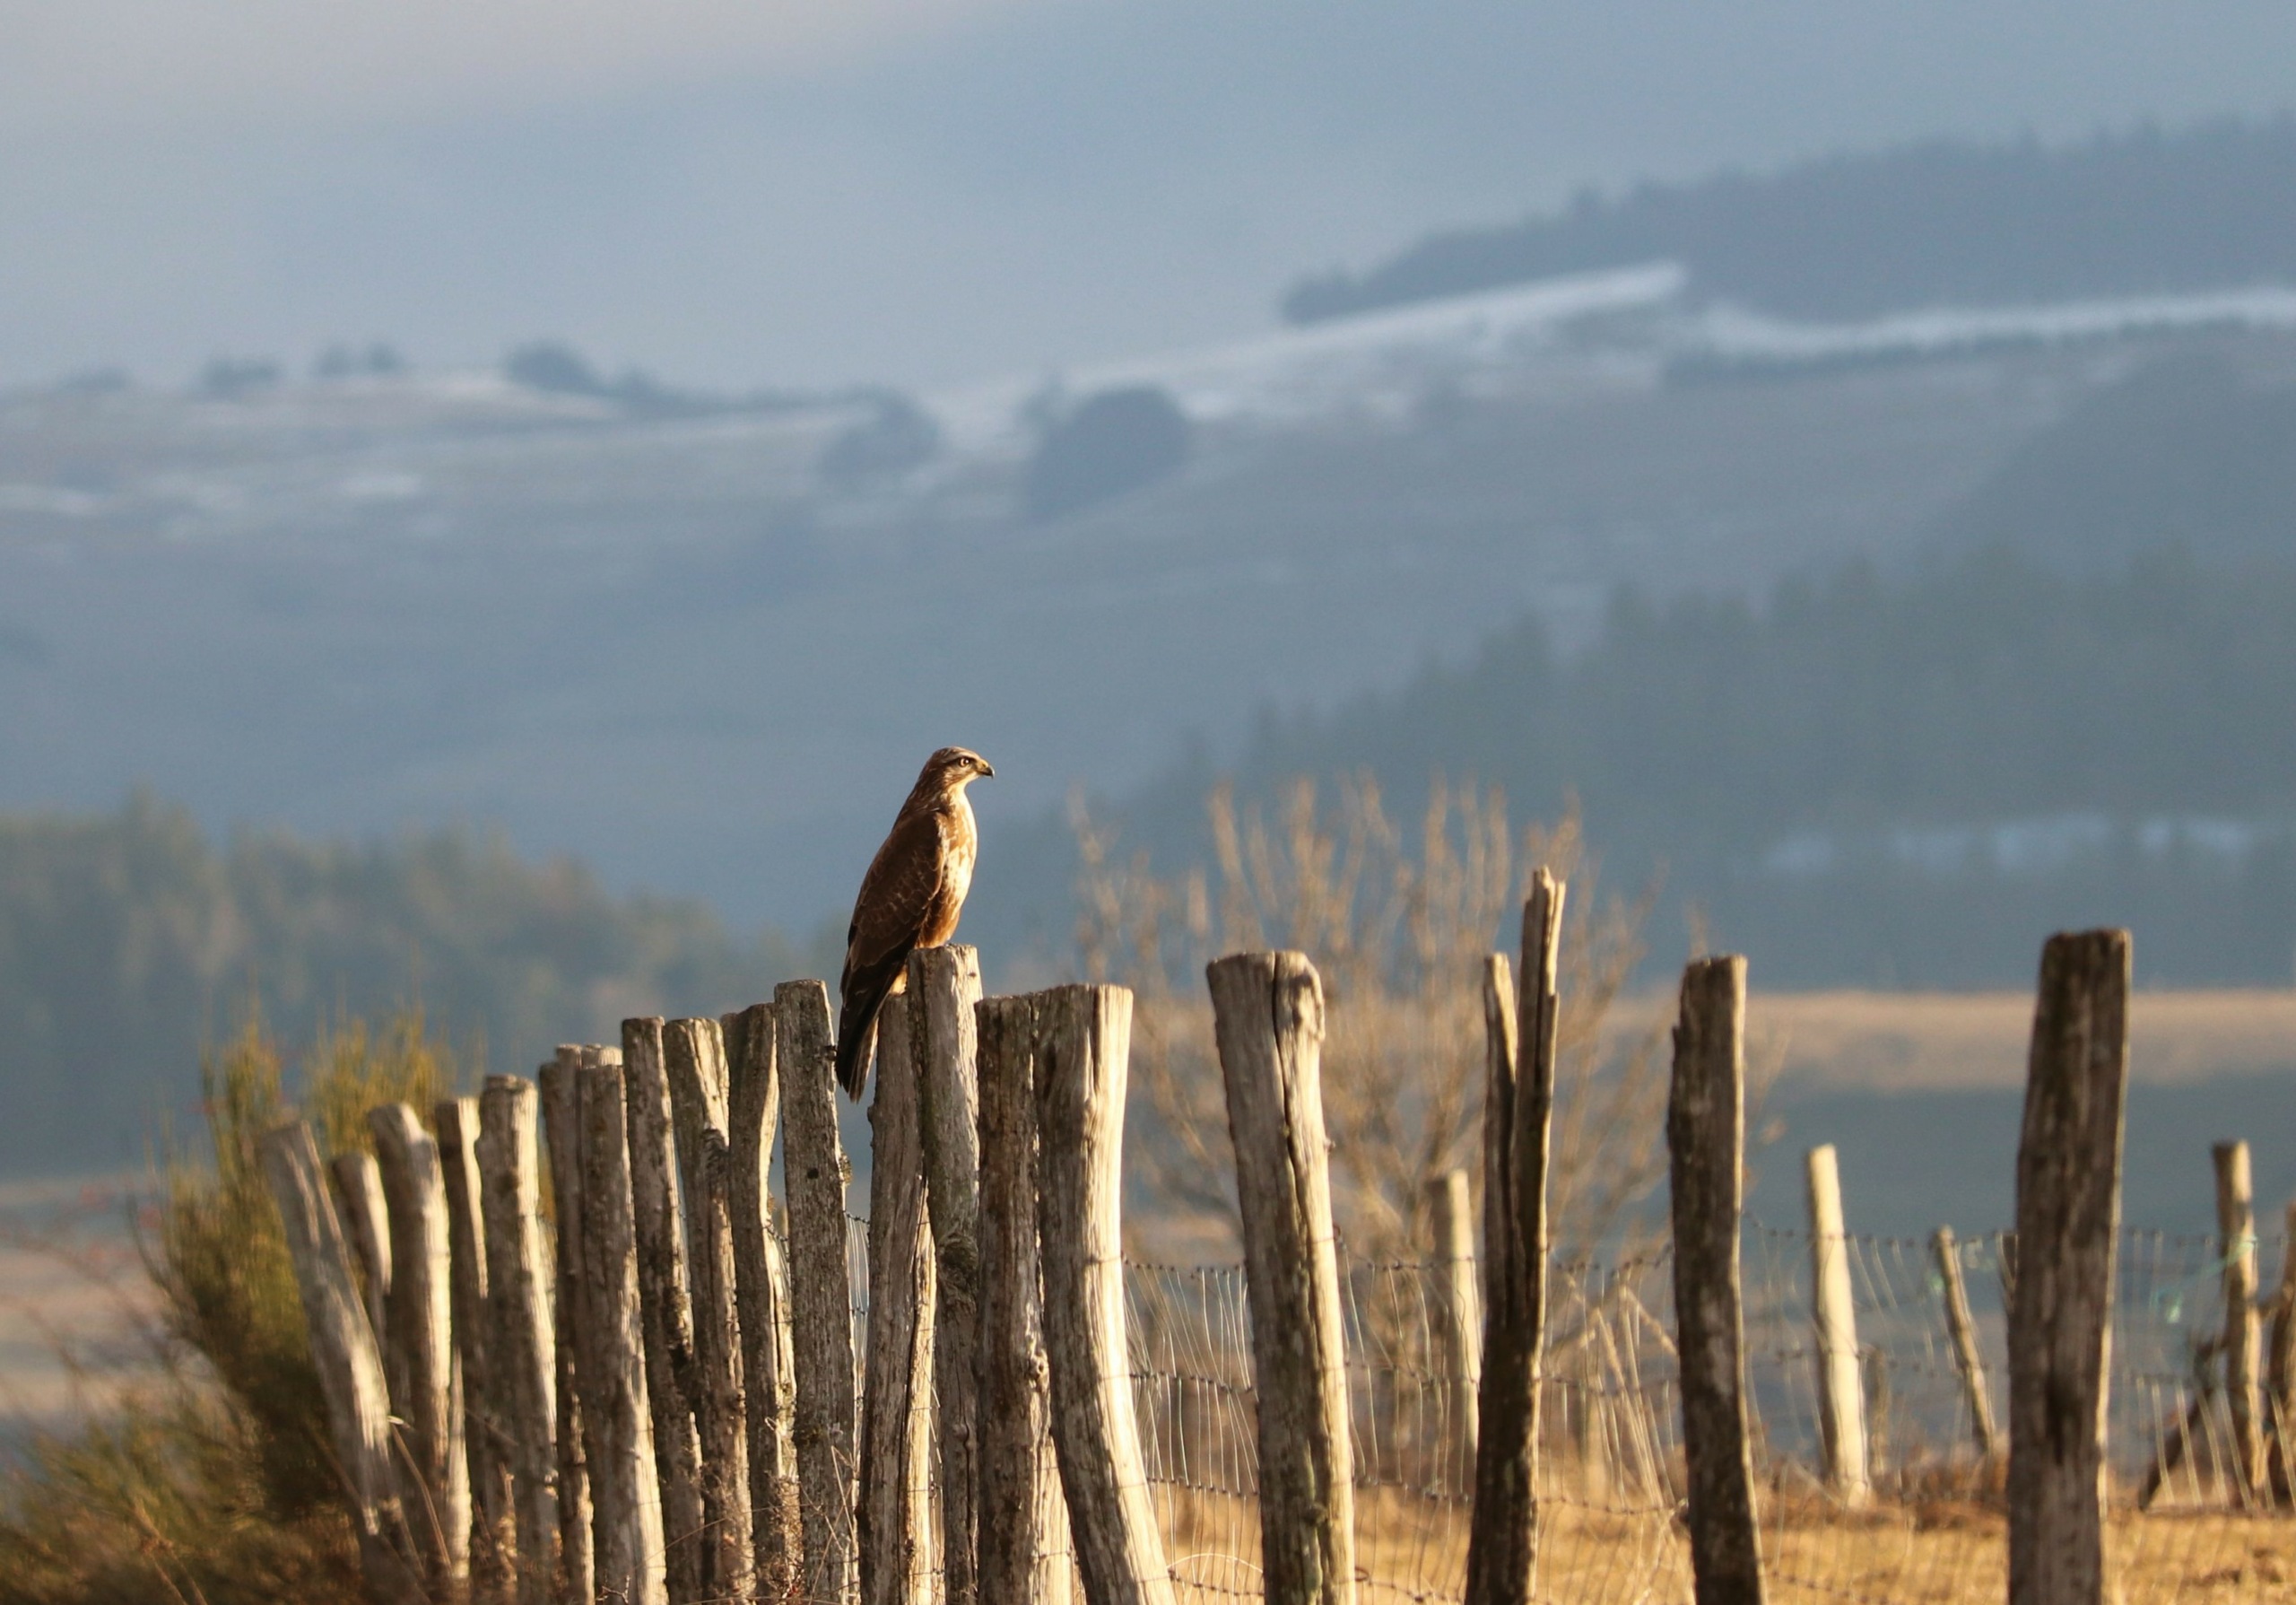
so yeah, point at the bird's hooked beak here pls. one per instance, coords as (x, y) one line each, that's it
(987, 769)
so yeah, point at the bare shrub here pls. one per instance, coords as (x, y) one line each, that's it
(1398, 926)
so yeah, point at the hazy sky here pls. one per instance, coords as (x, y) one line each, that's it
(793, 191)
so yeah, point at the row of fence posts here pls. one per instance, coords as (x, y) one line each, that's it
(657, 1402)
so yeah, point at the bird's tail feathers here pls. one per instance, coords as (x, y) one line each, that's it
(856, 1041)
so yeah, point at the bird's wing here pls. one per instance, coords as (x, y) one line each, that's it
(896, 898)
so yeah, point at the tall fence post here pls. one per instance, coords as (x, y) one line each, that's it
(2236, 1225)
(696, 1052)
(1021, 1518)
(1961, 1328)
(1082, 1059)
(562, 1114)
(1519, 1038)
(1841, 1389)
(1269, 1020)
(522, 1347)
(426, 1385)
(626, 1505)
(2068, 1208)
(814, 1175)
(2280, 1371)
(1457, 1312)
(761, 1290)
(895, 1510)
(944, 986)
(1706, 1132)
(664, 1310)
(350, 1367)
(491, 1541)
(366, 1231)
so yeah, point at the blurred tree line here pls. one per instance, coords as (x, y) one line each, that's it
(130, 940)
(1939, 223)
(1870, 778)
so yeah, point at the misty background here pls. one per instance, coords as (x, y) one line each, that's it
(501, 520)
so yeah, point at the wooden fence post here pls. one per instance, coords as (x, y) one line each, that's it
(2060, 1318)
(895, 1510)
(944, 986)
(419, 1360)
(761, 1290)
(1082, 1058)
(1021, 1518)
(626, 1504)
(697, 1061)
(1269, 1020)
(1833, 1308)
(1456, 1312)
(1706, 1121)
(664, 1310)
(366, 1231)
(1519, 1036)
(2236, 1225)
(492, 1543)
(350, 1367)
(814, 1175)
(522, 1345)
(562, 1114)
(2280, 1373)
(1969, 1359)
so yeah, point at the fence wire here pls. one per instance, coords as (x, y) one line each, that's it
(1610, 1481)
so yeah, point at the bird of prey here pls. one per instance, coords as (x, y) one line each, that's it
(910, 899)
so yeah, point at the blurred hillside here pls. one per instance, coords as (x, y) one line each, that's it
(1945, 223)
(129, 942)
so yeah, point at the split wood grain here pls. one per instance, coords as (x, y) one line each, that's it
(814, 1176)
(943, 987)
(895, 1513)
(1083, 1061)
(1268, 1024)
(2068, 1214)
(349, 1366)
(522, 1345)
(696, 1053)
(561, 1113)
(1705, 1121)
(761, 1289)
(1021, 1514)
(493, 1544)
(366, 1229)
(2236, 1243)
(1968, 1358)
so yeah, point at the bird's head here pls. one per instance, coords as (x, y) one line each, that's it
(952, 768)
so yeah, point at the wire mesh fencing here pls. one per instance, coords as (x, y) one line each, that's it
(1610, 1513)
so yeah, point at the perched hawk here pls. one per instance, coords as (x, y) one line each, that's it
(910, 899)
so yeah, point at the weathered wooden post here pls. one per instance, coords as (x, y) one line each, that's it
(1705, 1135)
(1021, 1518)
(492, 1542)
(1519, 1038)
(761, 1289)
(814, 1175)
(419, 1359)
(522, 1345)
(1961, 1327)
(696, 1062)
(2236, 1225)
(896, 1515)
(366, 1230)
(2060, 1317)
(561, 1115)
(944, 986)
(2280, 1374)
(1083, 1057)
(1841, 1391)
(1269, 1019)
(1456, 1312)
(626, 1505)
(665, 1312)
(350, 1367)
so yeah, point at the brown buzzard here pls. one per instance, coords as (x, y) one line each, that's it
(910, 899)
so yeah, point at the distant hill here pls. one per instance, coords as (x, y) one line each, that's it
(1871, 779)
(129, 939)
(1931, 225)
